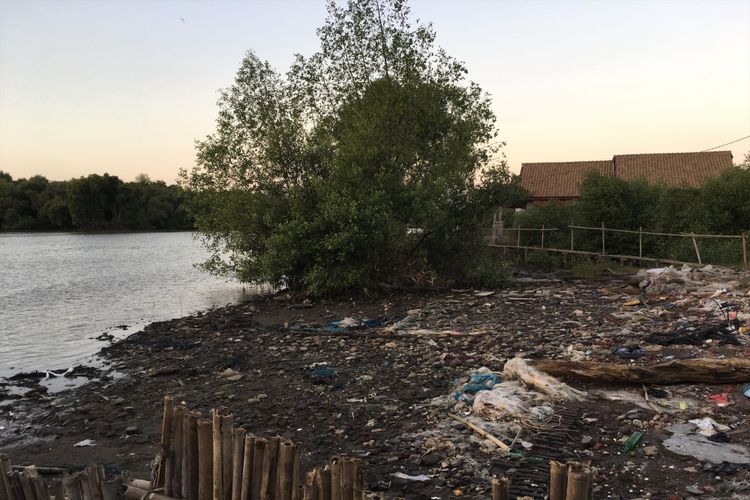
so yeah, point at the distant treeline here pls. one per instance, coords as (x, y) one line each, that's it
(91, 203)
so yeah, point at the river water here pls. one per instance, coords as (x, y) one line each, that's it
(58, 291)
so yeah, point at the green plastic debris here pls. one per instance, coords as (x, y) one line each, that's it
(632, 442)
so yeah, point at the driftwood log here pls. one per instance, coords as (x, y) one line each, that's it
(701, 371)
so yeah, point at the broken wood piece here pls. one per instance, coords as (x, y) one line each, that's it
(481, 432)
(680, 371)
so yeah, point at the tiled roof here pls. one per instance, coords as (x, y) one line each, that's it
(673, 169)
(559, 179)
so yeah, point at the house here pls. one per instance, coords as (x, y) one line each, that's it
(560, 180)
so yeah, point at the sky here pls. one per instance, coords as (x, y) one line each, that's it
(126, 86)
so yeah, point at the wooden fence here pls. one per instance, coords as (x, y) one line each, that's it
(511, 238)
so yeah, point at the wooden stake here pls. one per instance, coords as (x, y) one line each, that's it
(500, 488)
(166, 437)
(270, 467)
(111, 489)
(26, 487)
(347, 473)
(247, 467)
(259, 467)
(205, 459)
(40, 488)
(190, 474)
(336, 475)
(72, 487)
(579, 482)
(6, 492)
(297, 489)
(358, 484)
(57, 490)
(640, 242)
(227, 437)
(218, 492)
(311, 485)
(133, 493)
(285, 471)
(604, 250)
(542, 235)
(238, 455)
(176, 447)
(92, 474)
(558, 478)
(744, 250)
(324, 485)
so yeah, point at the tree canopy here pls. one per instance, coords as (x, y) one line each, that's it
(370, 162)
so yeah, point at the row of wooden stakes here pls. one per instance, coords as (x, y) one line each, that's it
(211, 459)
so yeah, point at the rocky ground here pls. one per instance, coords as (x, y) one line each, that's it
(391, 386)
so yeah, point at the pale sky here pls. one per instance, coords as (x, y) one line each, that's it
(126, 87)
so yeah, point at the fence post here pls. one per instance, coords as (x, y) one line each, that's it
(571, 236)
(640, 241)
(695, 245)
(542, 235)
(744, 249)
(604, 250)
(518, 238)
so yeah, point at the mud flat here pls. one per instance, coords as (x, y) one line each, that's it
(382, 390)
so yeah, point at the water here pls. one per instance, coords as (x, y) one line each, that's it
(58, 291)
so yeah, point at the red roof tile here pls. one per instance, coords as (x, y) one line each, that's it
(673, 169)
(559, 179)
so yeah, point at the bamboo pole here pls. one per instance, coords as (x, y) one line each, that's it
(26, 487)
(165, 468)
(571, 238)
(205, 459)
(6, 493)
(336, 476)
(744, 249)
(579, 482)
(558, 477)
(57, 490)
(227, 438)
(500, 488)
(270, 466)
(542, 236)
(190, 472)
(324, 485)
(518, 237)
(111, 489)
(238, 460)
(285, 471)
(92, 475)
(259, 458)
(695, 245)
(218, 492)
(604, 250)
(247, 467)
(177, 446)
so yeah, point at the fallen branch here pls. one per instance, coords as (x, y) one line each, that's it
(481, 432)
(701, 371)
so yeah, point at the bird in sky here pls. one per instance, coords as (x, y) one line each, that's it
(182, 19)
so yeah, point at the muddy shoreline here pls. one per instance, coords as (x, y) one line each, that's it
(388, 399)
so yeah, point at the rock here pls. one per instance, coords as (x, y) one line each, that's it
(131, 430)
(694, 490)
(431, 459)
(650, 451)
(586, 439)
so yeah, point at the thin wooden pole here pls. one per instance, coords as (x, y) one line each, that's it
(176, 447)
(579, 482)
(347, 473)
(744, 249)
(640, 241)
(571, 237)
(604, 250)
(270, 464)
(324, 486)
(518, 238)
(205, 459)
(218, 492)
(542, 235)
(297, 479)
(227, 437)
(358, 485)
(238, 456)
(695, 245)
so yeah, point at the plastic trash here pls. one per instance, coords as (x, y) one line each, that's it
(632, 442)
(633, 302)
(746, 390)
(629, 352)
(85, 442)
(401, 475)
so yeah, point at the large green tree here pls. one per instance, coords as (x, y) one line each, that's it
(360, 166)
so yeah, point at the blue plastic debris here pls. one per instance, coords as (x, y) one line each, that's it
(477, 382)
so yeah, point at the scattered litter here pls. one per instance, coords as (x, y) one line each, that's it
(401, 475)
(85, 442)
(708, 426)
(629, 352)
(685, 441)
(632, 442)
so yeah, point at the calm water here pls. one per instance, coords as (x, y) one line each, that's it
(57, 291)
